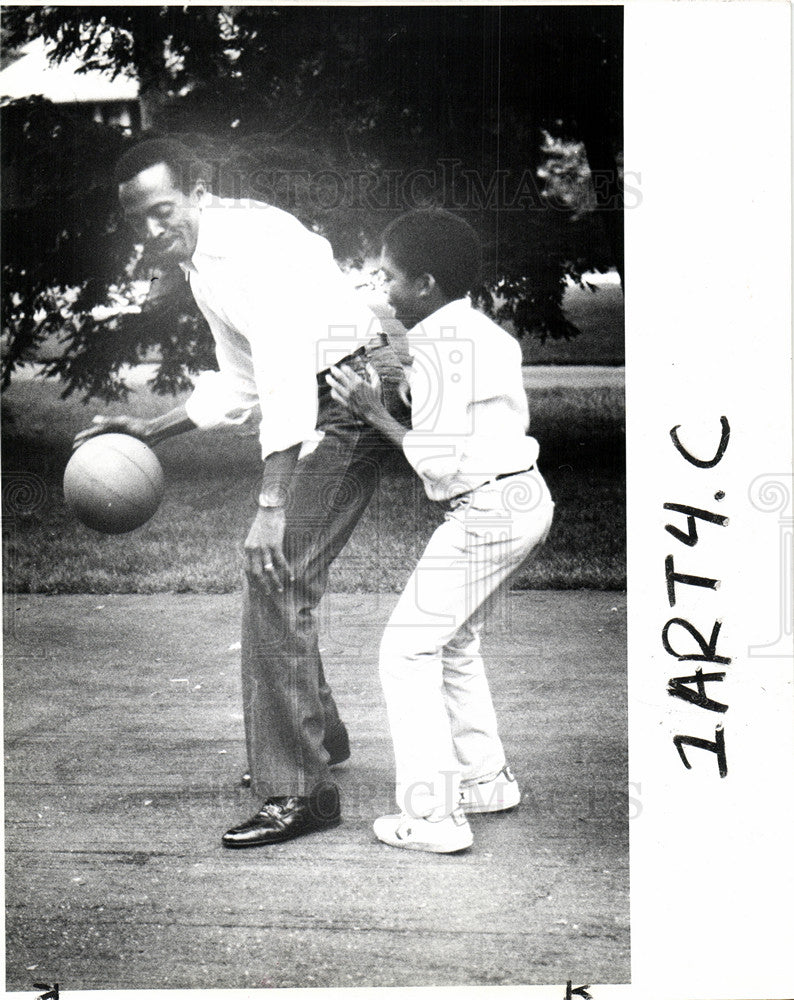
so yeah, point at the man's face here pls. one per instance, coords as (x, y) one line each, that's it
(163, 217)
(403, 292)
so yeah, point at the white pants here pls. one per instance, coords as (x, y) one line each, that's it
(439, 705)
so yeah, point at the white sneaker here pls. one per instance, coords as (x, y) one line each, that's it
(442, 835)
(497, 795)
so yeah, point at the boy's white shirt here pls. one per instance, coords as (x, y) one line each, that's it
(470, 415)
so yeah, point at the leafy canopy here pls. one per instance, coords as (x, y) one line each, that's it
(345, 116)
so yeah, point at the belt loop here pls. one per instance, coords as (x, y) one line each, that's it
(378, 340)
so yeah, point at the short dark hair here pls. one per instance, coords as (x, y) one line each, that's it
(434, 241)
(185, 166)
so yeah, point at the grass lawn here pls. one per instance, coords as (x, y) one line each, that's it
(194, 541)
(597, 311)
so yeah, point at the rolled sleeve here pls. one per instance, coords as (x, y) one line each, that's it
(216, 401)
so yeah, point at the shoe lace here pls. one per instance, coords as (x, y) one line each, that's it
(272, 809)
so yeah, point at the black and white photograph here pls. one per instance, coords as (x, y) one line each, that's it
(397, 498)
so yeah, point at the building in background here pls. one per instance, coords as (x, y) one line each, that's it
(96, 95)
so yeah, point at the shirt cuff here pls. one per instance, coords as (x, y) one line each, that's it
(213, 403)
(272, 442)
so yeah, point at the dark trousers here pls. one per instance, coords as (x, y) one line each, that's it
(288, 705)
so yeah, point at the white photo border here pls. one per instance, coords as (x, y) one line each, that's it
(708, 321)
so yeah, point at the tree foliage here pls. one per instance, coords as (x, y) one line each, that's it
(345, 116)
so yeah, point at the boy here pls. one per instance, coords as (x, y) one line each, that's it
(470, 447)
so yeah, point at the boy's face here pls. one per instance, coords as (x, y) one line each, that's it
(404, 293)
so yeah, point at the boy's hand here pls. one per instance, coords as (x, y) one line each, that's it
(348, 389)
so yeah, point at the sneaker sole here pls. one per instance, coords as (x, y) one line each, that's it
(421, 845)
(412, 845)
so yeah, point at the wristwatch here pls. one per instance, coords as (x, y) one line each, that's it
(275, 496)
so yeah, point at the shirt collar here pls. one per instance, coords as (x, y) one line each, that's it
(204, 232)
(447, 315)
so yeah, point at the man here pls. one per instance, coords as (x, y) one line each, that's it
(280, 312)
(470, 447)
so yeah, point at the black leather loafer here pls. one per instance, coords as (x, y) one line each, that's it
(337, 745)
(284, 817)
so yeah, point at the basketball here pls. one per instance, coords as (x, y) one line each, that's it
(113, 483)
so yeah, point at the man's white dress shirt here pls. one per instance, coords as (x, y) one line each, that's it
(469, 410)
(280, 311)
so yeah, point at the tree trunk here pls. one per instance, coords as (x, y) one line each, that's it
(608, 187)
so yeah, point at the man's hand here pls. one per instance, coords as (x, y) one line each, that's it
(134, 426)
(151, 432)
(362, 398)
(264, 550)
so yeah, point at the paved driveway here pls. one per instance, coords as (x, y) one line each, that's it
(123, 748)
